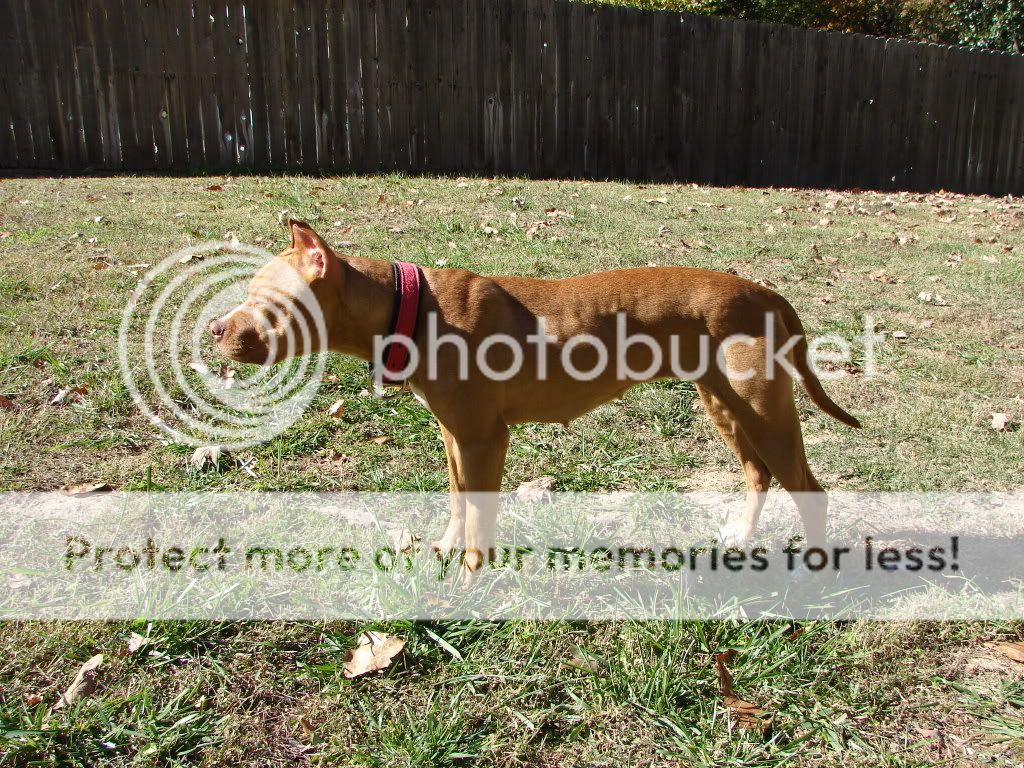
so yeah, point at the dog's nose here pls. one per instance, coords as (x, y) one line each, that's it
(217, 329)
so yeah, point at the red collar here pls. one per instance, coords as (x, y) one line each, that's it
(408, 281)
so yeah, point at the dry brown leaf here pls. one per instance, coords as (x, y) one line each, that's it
(337, 409)
(1013, 651)
(83, 684)
(747, 715)
(215, 188)
(1000, 421)
(85, 489)
(900, 335)
(932, 298)
(431, 598)
(226, 374)
(206, 454)
(6, 403)
(584, 660)
(32, 699)
(136, 641)
(401, 539)
(536, 490)
(380, 440)
(656, 201)
(880, 276)
(376, 651)
(340, 459)
(69, 394)
(743, 713)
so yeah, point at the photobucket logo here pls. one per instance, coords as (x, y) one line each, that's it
(625, 355)
(183, 384)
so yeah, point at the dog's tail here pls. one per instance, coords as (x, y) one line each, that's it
(810, 380)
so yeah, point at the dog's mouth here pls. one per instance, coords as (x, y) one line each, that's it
(242, 342)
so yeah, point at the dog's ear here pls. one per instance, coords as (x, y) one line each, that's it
(317, 257)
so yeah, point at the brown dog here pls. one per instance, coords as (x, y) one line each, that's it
(686, 312)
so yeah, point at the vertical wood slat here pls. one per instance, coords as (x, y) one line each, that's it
(535, 87)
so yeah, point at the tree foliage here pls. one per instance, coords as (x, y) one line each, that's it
(997, 24)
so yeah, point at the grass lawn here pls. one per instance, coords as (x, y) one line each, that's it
(516, 693)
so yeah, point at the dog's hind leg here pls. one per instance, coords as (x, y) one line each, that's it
(755, 471)
(766, 412)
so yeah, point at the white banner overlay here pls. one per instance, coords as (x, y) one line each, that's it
(229, 556)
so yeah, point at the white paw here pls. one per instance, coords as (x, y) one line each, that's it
(446, 547)
(734, 534)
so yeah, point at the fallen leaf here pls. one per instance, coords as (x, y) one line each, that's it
(1013, 651)
(73, 393)
(584, 660)
(401, 539)
(380, 440)
(487, 229)
(662, 230)
(5, 235)
(881, 276)
(656, 201)
(340, 459)
(556, 213)
(743, 713)
(431, 598)
(6, 403)
(205, 454)
(136, 641)
(32, 699)
(1000, 421)
(932, 298)
(85, 489)
(215, 188)
(375, 652)
(226, 374)
(83, 684)
(337, 410)
(826, 222)
(900, 335)
(536, 490)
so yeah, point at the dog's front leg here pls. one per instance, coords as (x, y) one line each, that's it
(479, 459)
(454, 538)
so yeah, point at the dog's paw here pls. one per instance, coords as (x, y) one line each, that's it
(734, 534)
(445, 547)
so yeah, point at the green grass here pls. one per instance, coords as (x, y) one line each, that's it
(510, 694)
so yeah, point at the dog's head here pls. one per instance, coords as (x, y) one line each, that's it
(287, 301)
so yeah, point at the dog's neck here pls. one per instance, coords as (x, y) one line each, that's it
(366, 303)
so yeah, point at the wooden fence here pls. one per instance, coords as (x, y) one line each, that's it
(535, 87)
